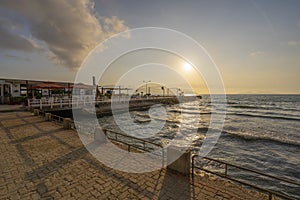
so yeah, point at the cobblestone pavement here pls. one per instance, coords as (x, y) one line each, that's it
(41, 160)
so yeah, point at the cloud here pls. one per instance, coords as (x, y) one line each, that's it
(14, 57)
(10, 40)
(68, 29)
(256, 53)
(293, 43)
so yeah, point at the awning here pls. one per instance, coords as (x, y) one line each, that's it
(48, 86)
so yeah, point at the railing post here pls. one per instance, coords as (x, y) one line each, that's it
(193, 156)
(163, 157)
(60, 101)
(28, 104)
(41, 105)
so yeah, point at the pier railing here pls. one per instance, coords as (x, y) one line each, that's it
(51, 103)
(225, 175)
(58, 103)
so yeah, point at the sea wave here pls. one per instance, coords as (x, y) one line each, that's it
(266, 138)
(265, 116)
(249, 137)
(185, 112)
(260, 107)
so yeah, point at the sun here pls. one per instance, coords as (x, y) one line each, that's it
(187, 66)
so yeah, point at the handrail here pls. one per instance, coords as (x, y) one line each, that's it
(87, 100)
(57, 118)
(226, 176)
(254, 171)
(131, 137)
(134, 146)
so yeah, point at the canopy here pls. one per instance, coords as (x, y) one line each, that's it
(48, 86)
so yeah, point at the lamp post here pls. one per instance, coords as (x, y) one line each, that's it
(163, 89)
(146, 86)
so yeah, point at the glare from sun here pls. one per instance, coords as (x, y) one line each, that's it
(187, 67)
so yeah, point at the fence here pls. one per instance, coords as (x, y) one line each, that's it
(258, 174)
(134, 142)
(57, 103)
(84, 101)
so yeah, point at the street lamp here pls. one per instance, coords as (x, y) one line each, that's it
(146, 86)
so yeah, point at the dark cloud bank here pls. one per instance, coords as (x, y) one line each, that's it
(66, 29)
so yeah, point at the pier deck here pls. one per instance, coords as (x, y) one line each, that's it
(41, 160)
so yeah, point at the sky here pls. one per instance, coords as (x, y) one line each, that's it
(255, 44)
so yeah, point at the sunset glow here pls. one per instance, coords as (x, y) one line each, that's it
(187, 67)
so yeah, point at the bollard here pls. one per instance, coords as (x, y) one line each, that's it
(99, 135)
(67, 123)
(182, 163)
(36, 112)
(48, 116)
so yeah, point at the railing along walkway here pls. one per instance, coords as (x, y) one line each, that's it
(258, 174)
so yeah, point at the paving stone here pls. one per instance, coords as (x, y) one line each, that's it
(40, 160)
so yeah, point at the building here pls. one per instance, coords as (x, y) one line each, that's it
(16, 90)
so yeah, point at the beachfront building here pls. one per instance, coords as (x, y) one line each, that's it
(14, 91)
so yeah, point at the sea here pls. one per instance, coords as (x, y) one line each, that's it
(260, 132)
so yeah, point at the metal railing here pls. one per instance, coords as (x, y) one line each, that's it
(121, 138)
(141, 141)
(225, 175)
(57, 103)
(56, 118)
(88, 100)
(115, 136)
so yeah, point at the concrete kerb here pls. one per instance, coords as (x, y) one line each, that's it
(182, 164)
(99, 136)
(67, 123)
(36, 112)
(48, 116)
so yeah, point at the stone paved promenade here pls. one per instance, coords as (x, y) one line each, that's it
(40, 160)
